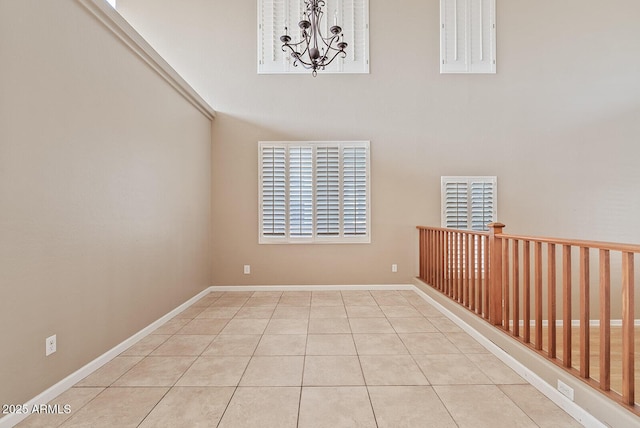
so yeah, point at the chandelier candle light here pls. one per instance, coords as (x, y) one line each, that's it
(320, 51)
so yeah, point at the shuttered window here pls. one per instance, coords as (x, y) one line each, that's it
(314, 192)
(275, 15)
(469, 202)
(467, 36)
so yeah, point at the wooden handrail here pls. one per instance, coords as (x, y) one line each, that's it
(504, 277)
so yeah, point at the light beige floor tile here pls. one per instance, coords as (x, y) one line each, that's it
(335, 407)
(445, 325)
(299, 301)
(364, 312)
(207, 326)
(225, 301)
(237, 294)
(156, 371)
(272, 294)
(224, 312)
(451, 369)
(400, 311)
(287, 326)
(476, 406)
(193, 407)
(206, 300)
(256, 312)
(428, 343)
(215, 371)
(391, 370)
(273, 371)
(190, 313)
(74, 398)
(466, 343)
(412, 325)
(495, 369)
(264, 407)
(245, 326)
(171, 326)
(117, 407)
(330, 344)
(543, 411)
(327, 312)
(379, 344)
(110, 372)
(392, 301)
(326, 298)
(370, 325)
(188, 344)
(282, 344)
(332, 371)
(358, 298)
(329, 325)
(233, 344)
(146, 345)
(291, 312)
(297, 294)
(428, 311)
(409, 407)
(268, 302)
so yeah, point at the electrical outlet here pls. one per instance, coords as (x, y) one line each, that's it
(50, 345)
(247, 269)
(394, 268)
(565, 390)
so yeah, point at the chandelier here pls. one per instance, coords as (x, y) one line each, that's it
(315, 51)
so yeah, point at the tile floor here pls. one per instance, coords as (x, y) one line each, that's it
(306, 359)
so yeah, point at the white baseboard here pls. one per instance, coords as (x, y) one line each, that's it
(371, 287)
(10, 420)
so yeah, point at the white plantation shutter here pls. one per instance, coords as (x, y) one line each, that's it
(456, 207)
(314, 192)
(300, 191)
(274, 15)
(467, 36)
(468, 202)
(354, 173)
(328, 191)
(273, 195)
(482, 212)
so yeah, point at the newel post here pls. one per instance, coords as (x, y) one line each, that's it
(495, 273)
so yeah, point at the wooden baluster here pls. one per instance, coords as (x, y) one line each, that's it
(515, 280)
(422, 254)
(585, 318)
(460, 266)
(473, 271)
(551, 299)
(439, 260)
(495, 273)
(469, 254)
(628, 390)
(486, 282)
(605, 320)
(566, 305)
(505, 284)
(538, 293)
(454, 250)
(526, 291)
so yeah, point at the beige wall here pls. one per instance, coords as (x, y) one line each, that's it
(104, 194)
(558, 124)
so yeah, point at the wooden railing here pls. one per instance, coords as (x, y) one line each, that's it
(541, 292)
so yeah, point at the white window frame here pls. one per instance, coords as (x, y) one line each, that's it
(342, 238)
(468, 36)
(493, 180)
(271, 58)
